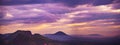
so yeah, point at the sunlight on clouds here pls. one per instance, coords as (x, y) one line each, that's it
(8, 15)
(76, 24)
(102, 22)
(38, 10)
(104, 7)
(71, 16)
(83, 6)
(85, 28)
(30, 11)
(21, 26)
(41, 27)
(57, 26)
(11, 27)
(63, 16)
(116, 26)
(63, 20)
(116, 11)
(76, 12)
(96, 9)
(107, 8)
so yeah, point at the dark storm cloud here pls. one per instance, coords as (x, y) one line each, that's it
(81, 2)
(102, 2)
(73, 2)
(70, 3)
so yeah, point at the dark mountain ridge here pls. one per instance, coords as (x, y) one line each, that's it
(60, 33)
(24, 38)
(59, 36)
(21, 37)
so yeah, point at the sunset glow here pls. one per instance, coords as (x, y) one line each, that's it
(73, 19)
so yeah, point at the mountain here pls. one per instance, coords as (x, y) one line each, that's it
(21, 37)
(59, 36)
(1, 39)
(60, 33)
(24, 38)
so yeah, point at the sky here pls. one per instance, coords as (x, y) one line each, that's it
(74, 17)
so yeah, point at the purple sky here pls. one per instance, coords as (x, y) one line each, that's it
(74, 17)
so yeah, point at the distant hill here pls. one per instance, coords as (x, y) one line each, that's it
(59, 36)
(60, 33)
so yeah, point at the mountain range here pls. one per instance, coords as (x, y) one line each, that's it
(21, 37)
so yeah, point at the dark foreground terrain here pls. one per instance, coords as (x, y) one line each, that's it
(59, 38)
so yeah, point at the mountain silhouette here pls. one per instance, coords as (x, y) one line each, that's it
(21, 37)
(59, 36)
(24, 38)
(1, 39)
(60, 33)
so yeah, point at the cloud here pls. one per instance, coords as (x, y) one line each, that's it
(2, 12)
(73, 2)
(82, 2)
(49, 13)
(59, 16)
(1, 15)
(116, 6)
(29, 14)
(102, 2)
(94, 35)
(96, 16)
(70, 3)
(20, 2)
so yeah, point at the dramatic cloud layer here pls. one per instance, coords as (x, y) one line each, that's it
(79, 17)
